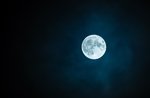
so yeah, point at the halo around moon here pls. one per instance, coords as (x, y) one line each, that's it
(93, 47)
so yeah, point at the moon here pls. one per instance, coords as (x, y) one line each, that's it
(93, 47)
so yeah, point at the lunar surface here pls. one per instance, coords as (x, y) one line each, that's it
(93, 47)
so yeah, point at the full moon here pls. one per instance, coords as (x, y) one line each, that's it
(93, 47)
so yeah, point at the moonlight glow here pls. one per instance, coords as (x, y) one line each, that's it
(93, 47)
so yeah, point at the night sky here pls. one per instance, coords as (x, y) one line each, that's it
(43, 56)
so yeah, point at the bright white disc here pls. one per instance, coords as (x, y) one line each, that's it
(93, 46)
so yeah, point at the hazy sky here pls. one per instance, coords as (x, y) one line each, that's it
(44, 49)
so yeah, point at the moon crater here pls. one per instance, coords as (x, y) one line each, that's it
(93, 47)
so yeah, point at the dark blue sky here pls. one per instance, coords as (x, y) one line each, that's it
(44, 49)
